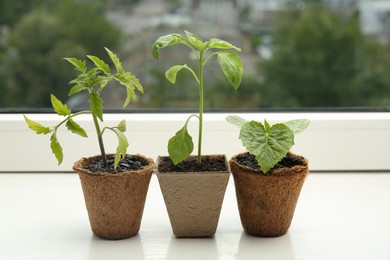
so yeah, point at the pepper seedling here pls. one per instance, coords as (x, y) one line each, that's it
(181, 145)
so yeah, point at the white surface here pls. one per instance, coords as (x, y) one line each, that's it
(327, 142)
(338, 216)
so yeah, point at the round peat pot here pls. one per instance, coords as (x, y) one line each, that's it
(266, 202)
(193, 198)
(115, 201)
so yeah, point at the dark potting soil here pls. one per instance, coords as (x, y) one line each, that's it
(209, 164)
(288, 161)
(129, 163)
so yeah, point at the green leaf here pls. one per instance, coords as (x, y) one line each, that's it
(171, 73)
(76, 89)
(180, 146)
(59, 107)
(75, 128)
(96, 105)
(167, 40)
(195, 40)
(122, 126)
(56, 148)
(298, 125)
(236, 120)
(100, 64)
(38, 128)
(131, 83)
(231, 66)
(79, 65)
(269, 147)
(215, 43)
(115, 60)
(122, 147)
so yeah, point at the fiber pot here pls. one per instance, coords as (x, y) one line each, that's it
(115, 202)
(266, 202)
(193, 199)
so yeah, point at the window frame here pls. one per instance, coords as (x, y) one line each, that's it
(339, 142)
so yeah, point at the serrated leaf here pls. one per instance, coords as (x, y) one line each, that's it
(130, 82)
(298, 125)
(122, 147)
(79, 65)
(215, 43)
(171, 73)
(100, 64)
(195, 40)
(115, 60)
(60, 108)
(56, 148)
(269, 147)
(38, 128)
(76, 89)
(164, 41)
(231, 66)
(180, 146)
(122, 126)
(236, 120)
(75, 128)
(96, 105)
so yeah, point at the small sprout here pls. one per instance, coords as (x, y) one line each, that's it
(181, 146)
(269, 144)
(92, 81)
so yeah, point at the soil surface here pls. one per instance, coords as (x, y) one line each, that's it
(288, 161)
(209, 164)
(129, 163)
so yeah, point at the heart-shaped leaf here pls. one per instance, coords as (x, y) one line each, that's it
(269, 144)
(180, 146)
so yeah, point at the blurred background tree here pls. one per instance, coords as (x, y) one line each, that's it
(322, 60)
(34, 48)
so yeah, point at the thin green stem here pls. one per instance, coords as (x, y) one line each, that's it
(75, 114)
(200, 108)
(208, 57)
(100, 139)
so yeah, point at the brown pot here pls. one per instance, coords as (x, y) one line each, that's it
(193, 199)
(266, 202)
(115, 202)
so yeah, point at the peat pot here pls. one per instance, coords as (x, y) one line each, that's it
(266, 202)
(193, 198)
(115, 202)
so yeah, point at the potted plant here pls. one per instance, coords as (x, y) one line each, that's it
(194, 186)
(114, 185)
(268, 177)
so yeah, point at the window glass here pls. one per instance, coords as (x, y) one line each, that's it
(296, 54)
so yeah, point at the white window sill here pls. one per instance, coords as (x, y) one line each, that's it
(338, 216)
(333, 141)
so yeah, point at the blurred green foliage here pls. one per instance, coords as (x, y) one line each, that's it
(31, 62)
(322, 60)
